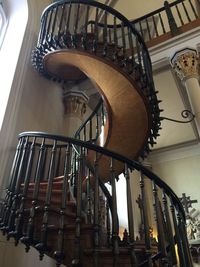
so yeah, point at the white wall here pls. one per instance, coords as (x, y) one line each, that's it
(182, 175)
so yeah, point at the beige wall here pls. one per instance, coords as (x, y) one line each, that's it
(182, 175)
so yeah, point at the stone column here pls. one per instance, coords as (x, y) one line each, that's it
(75, 107)
(185, 64)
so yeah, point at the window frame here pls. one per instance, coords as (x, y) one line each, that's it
(4, 24)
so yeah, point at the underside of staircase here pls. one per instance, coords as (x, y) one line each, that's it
(58, 201)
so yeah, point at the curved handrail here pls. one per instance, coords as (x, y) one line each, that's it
(131, 163)
(92, 115)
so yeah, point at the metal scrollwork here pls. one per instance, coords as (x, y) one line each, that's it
(186, 114)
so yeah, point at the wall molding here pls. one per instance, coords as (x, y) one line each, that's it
(177, 152)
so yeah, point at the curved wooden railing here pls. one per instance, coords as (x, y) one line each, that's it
(27, 210)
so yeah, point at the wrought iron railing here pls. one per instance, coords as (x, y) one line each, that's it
(170, 18)
(90, 130)
(43, 160)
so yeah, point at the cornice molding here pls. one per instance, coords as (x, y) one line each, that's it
(177, 152)
(160, 53)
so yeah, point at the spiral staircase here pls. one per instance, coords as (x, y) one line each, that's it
(57, 200)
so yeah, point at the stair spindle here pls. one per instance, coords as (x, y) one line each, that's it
(42, 246)
(60, 253)
(89, 197)
(148, 28)
(159, 222)
(60, 27)
(28, 239)
(183, 234)
(162, 23)
(179, 14)
(96, 32)
(105, 34)
(186, 12)
(193, 9)
(20, 220)
(17, 195)
(115, 54)
(96, 210)
(81, 173)
(54, 25)
(85, 31)
(144, 210)
(134, 262)
(115, 225)
(49, 26)
(10, 191)
(155, 26)
(123, 40)
(170, 237)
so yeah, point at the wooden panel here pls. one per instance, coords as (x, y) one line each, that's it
(129, 113)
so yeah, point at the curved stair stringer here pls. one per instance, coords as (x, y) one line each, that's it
(130, 121)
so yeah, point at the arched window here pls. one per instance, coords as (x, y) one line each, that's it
(3, 23)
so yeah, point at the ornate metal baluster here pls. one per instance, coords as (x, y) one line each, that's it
(60, 253)
(145, 218)
(60, 27)
(172, 23)
(141, 29)
(131, 59)
(179, 14)
(159, 222)
(108, 226)
(162, 23)
(148, 29)
(102, 115)
(85, 33)
(97, 125)
(186, 12)
(177, 236)
(49, 26)
(53, 25)
(134, 262)
(89, 200)
(67, 39)
(193, 9)
(20, 220)
(96, 32)
(28, 239)
(90, 133)
(115, 226)
(10, 191)
(155, 26)
(123, 42)
(76, 262)
(42, 246)
(58, 162)
(105, 35)
(42, 34)
(170, 237)
(96, 210)
(74, 36)
(17, 195)
(115, 54)
(184, 241)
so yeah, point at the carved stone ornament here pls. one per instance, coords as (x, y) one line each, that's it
(185, 64)
(75, 103)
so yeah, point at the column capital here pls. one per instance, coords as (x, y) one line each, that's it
(75, 103)
(185, 63)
